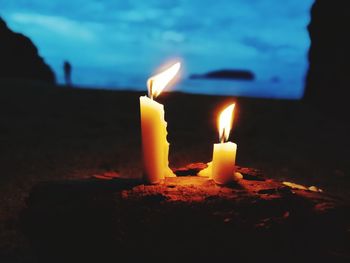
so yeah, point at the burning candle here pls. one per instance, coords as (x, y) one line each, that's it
(221, 169)
(224, 153)
(155, 147)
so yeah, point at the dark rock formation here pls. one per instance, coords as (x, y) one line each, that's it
(19, 58)
(329, 54)
(226, 74)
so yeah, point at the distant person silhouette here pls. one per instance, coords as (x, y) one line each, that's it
(67, 67)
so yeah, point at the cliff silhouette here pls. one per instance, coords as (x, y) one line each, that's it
(329, 57)
(20, 58)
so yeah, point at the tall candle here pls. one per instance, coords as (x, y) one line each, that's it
(155, 147)
(224, 153)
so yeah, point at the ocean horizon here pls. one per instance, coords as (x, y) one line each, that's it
(260, 88)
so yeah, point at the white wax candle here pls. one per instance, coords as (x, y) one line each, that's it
(223, 165)
(155, 147)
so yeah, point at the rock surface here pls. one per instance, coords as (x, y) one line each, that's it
(185, 219)
(20, 58)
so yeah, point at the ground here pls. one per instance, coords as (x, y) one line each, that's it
(56, 133)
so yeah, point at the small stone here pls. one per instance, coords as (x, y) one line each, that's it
(295, 186)
(315, 189)
(286, 214)
(227, 220)
(101, 177)
(238, 175)
(111, 174)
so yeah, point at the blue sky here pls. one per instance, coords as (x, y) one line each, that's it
(120, 43)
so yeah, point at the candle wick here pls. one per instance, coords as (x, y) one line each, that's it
(222, 137)
(150, 89)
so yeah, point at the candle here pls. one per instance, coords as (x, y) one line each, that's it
(222, 167)
(224, 153)
(155, 147)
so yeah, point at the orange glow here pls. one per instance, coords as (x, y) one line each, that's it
(225, 122)
(157, 83)
(302, 187)
(295, 186)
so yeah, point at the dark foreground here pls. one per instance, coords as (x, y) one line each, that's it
(50, 134)
(184, 219)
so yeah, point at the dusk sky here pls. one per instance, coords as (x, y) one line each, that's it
(121, 43)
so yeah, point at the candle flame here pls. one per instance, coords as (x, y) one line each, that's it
(225, 122)
(157, 83)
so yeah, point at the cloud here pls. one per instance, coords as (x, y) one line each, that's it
(264, 46)
(56, 24)
(140, 34)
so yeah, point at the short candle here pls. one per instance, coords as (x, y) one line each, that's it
(224, 153)
(155, 147)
